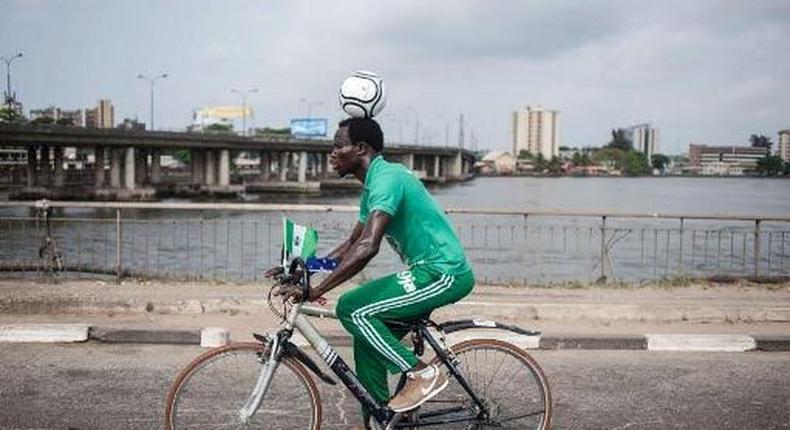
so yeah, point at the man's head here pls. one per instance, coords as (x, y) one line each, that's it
(355, 140)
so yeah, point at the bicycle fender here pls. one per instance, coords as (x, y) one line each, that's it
(294, 351)
(458, 325)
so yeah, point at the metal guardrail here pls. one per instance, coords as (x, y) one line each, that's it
(229, 241)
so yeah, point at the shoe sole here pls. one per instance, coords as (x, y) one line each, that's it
(428, 397)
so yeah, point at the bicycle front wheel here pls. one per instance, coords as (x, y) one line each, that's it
(505, 378)
(210, 391)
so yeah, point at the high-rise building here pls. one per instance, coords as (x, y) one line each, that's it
(783, 149)
(536, 130)
(103, 116)
(645, 139)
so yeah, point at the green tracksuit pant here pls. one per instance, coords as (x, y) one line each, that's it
(405, 296)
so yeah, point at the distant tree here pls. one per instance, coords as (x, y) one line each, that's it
(554, 166)
(576, 159)
(770, 165)
(564, 148)
(620, 140)
(787, 169)
(43, 120)
(218, 128)
(761, 141)
(10, 115)
(524, 154)
(540, 163)
(659, 161)
(636, 164)
(69, 122)
(585, 160)
(273, 131)
(612, 157)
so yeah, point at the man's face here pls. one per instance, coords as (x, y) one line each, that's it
(345, 155)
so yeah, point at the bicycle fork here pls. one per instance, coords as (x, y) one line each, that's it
(263, 381)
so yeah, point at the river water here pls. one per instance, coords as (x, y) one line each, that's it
(502, 249)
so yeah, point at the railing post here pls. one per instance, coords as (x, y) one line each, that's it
(757, 247)
(118, 242)
(602, 278)
(680, 257)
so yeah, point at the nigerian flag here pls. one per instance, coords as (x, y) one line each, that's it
(298, 241)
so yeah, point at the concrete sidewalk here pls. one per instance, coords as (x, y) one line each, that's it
(700, 317)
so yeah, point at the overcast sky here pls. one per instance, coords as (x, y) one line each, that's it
(701, 71)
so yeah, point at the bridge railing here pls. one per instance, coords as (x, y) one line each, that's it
(237, 242)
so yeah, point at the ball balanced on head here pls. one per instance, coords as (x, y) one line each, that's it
(362, 94)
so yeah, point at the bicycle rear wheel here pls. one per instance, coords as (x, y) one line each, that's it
(505, 378)
(209, 392)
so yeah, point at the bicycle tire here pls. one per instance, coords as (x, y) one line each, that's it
(213, 387)
(528, 387)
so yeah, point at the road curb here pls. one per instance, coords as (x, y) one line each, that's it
(58, 333)
(121, 335)
(217, 336)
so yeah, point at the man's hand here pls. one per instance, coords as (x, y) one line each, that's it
(294, 293)
(289, 292)
(274, 271)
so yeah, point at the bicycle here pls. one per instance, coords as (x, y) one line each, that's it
(268, 383)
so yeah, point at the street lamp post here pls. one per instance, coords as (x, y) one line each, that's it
(244, 107)
(8, 60)
(152, 81)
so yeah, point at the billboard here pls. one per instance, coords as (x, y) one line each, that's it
(308, 127)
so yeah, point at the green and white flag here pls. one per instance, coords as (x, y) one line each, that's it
(298, 241)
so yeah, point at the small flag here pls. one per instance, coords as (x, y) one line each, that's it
(298, 241)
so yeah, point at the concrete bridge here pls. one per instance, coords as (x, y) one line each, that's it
(127, 162)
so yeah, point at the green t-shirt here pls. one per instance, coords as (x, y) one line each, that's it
(419, 231)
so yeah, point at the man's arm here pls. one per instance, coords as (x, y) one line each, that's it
(358, 253)
(340, 252)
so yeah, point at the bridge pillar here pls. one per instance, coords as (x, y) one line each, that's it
(456, 167)
(141, 165)
(156, 166)
(59, 176)
(325, 166)
(115, 167)
(98, 166)
(197, 161)
(283, 165)
(265, 165)
(211, 168)
(224, 167)
(437, 162)
(408, 161)
(303, 166)
(32, 163)
(43, 166)
(129, 169)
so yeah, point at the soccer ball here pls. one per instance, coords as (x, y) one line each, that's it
(362, 95)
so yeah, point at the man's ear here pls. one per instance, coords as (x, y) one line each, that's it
(363, 148)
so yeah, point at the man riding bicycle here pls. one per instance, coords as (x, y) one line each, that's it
(394, 205)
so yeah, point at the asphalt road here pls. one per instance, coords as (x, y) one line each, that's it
(99, 386)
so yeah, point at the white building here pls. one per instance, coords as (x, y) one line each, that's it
(536, 130)
(644, 138)
(501, 162)
(783, 149)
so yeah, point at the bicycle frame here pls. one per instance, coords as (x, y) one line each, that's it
(384, 417)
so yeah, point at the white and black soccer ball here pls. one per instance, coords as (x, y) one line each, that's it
(362, 94)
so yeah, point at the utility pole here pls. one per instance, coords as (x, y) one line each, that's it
(244, 107)
(8, 96)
